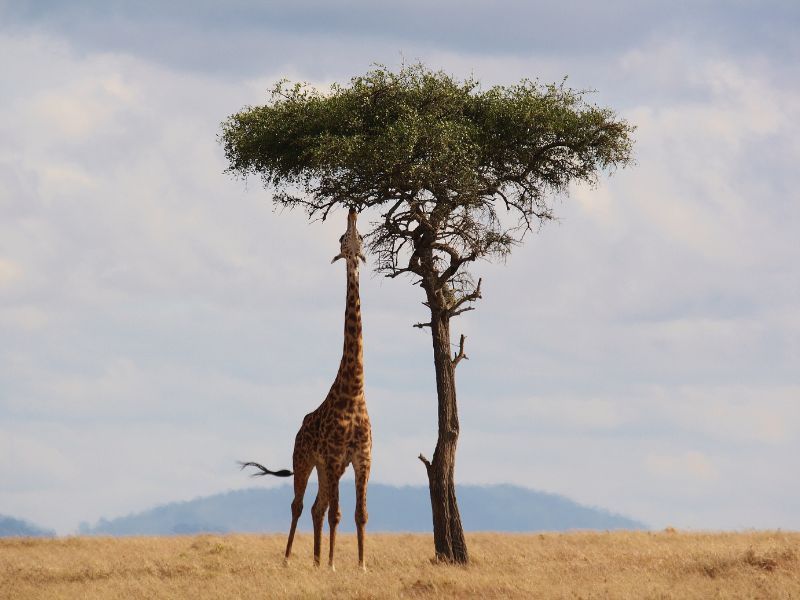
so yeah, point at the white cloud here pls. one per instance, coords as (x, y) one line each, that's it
(689, 466)
(25, 318)
(9, 272)
(82, 108)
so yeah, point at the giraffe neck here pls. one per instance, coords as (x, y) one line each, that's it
(351, 369)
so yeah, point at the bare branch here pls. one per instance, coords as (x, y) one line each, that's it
(421, 325)
(425, 462)
(471, 297)
(455, 313)
(387, 217)
(460, 354)
(454, 266)
(454, 256)
(397, 272)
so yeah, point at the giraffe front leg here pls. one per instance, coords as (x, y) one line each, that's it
(334, 512)
(362, 476)
(318, 512)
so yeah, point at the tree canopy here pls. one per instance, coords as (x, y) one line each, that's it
(423, 144)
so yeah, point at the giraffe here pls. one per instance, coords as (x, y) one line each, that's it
(338, 432)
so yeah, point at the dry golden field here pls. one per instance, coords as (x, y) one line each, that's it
(666, 564)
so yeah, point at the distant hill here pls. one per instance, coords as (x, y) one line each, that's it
(11, 527)
(407, 508)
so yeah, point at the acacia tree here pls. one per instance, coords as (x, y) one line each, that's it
(458, 173)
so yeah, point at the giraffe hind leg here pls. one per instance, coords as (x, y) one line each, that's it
(301, 474)
(361, 468)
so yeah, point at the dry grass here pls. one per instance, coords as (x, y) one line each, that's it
(577, 565)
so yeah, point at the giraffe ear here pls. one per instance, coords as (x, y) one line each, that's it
(362, 257)
(337, 257)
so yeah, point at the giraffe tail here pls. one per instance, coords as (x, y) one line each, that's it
(265, 471)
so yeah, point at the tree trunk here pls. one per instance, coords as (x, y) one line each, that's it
(448, 534)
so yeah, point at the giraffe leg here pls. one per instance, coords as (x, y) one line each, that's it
(318, 511)
(361, 467)
(301, 474)
(334, 513)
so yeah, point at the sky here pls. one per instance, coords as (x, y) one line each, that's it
(159, 320)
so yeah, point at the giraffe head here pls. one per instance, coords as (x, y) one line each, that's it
(351, 243)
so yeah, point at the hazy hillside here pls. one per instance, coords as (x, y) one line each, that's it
(11, 527)
(483, 508)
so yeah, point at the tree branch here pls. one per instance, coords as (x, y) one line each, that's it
(471, 297)
(425, 462)
(397, 272)
(455, 313)
(460, 354)
(454, 256)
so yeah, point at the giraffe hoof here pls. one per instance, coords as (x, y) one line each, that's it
(333, 568)
(363, 568)
(285, 562)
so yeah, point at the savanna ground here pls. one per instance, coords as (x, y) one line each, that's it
(664, 564)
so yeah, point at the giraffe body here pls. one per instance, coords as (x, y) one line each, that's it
(338, 432)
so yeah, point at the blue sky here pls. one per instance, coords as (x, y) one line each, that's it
(160, 321)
